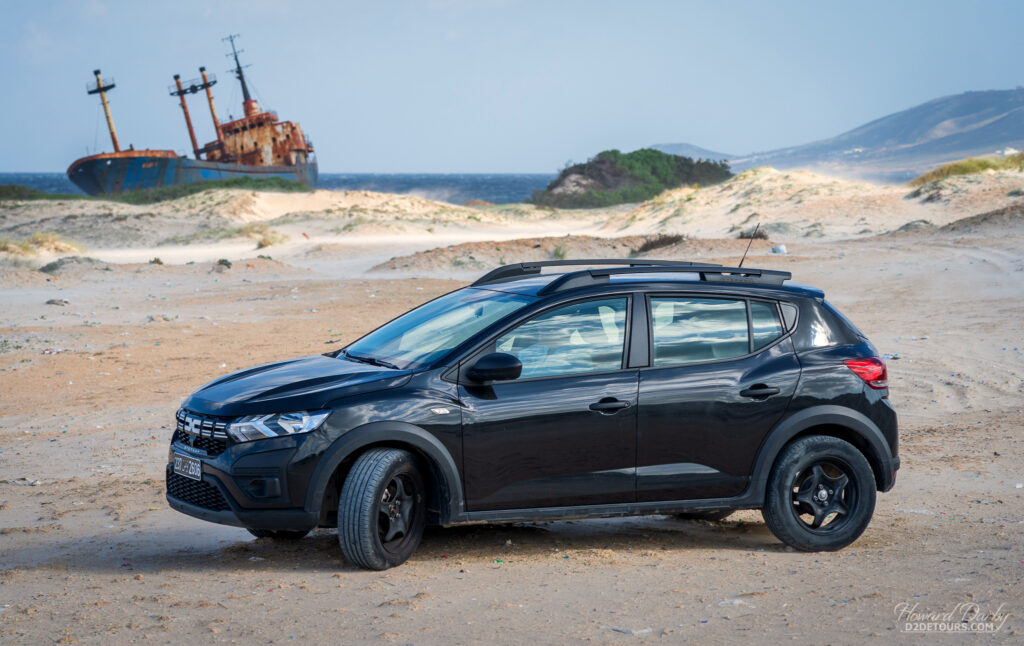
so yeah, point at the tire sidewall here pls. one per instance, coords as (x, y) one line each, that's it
(798, 457)
(367, 549)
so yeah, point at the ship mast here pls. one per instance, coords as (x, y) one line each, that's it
(207, 84)
(249, 105)
(101, 89)
(179, 91)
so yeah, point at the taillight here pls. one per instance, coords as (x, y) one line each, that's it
(871, 370)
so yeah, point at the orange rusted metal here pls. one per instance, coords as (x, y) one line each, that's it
(207, 84)
(261, 140)
(128, 154)
(101, 89)
(188, 120)
(251, 107)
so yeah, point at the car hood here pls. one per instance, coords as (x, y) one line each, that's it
(299, 384)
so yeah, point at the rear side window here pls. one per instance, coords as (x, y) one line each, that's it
(688, 330)
(764, 323)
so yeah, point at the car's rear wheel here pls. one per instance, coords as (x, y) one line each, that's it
(821, 494)
(278, 534)
(712, 516)
(382, 509)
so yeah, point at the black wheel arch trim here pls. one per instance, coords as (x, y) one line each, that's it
(824, 415)
(451, 505)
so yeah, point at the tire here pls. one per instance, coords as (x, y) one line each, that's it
(278, 534)
(711, 516)
(382, 509)
(821, 494)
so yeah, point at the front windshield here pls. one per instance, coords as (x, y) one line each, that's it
(423, 335)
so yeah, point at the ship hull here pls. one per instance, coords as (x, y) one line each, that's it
(114, 173)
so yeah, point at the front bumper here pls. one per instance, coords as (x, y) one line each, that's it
(258, 485)
(271, 519)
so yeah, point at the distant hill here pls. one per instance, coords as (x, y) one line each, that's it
(611, 177)
(689, 150)
(902, 146)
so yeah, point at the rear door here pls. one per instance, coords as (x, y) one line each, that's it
(712, 392)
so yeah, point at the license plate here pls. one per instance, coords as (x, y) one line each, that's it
(188, 467)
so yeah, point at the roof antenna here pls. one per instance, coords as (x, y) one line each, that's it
(752, 236)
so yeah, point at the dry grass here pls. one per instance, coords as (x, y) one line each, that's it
(970, 166)
(263, 234)
(258, 231)
(41, 241)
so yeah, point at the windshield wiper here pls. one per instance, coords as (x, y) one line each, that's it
(373, 361)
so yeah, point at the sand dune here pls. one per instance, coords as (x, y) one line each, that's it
(799, 204)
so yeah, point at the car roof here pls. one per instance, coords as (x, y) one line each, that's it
(531, 285)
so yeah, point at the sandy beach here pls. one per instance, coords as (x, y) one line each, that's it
(96, 355)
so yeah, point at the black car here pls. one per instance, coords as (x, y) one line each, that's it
(631, 387)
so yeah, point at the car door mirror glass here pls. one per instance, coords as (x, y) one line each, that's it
(497, 366)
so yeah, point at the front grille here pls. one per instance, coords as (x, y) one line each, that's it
(204, 432)
(195, 492)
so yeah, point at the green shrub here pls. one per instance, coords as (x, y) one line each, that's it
(632, 177)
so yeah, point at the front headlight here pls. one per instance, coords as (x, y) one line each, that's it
(258, 427)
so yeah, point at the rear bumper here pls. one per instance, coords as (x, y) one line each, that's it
(892, 481)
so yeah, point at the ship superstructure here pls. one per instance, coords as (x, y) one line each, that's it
(256, 145)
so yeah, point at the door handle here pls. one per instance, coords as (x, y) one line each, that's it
(759, 391)
(609, 404)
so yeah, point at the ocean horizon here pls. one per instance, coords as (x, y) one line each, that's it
(453, 188)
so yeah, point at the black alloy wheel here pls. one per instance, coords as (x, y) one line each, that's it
(382, 509)
(821, 494)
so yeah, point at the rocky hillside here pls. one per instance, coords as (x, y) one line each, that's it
(899, 147)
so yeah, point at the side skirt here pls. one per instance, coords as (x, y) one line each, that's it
(745, 501)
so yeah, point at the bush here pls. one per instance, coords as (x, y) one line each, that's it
(755, 233)
(630, 177)
(657, 242)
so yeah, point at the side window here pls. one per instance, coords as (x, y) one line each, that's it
(688, 330)
(764, 322)
(575, 339)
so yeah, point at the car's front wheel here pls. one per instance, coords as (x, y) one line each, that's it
(382, 509)
(821, 494)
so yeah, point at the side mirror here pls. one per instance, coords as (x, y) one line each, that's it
(497, 366)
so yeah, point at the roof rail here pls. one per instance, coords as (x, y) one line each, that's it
(521, 269)
(708, 273)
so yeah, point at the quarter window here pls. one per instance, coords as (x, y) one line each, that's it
(576, 339)
(688, 330)
(764, 322)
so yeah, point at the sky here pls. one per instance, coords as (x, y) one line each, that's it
(441, 86)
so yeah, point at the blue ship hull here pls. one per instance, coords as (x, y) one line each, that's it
(119, 172)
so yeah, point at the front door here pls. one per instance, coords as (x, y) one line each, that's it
(564, 433)
(719, 380)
